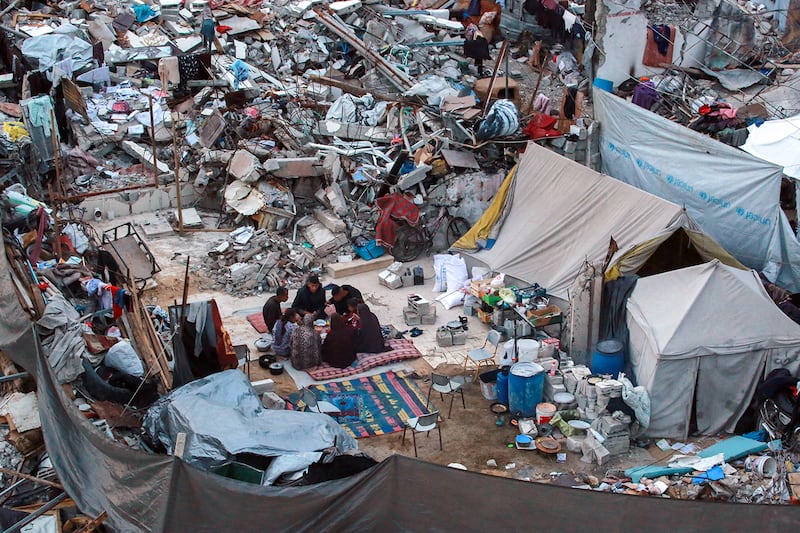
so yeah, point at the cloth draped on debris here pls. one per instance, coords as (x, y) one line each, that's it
(54, 48)
(742, 211)
(777, 141)
(394, 206)
(64, 339)
(222, 416)
(483, 234)
(240, 73)
(502, 120)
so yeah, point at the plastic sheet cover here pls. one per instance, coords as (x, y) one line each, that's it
(222, 416)
(733, 196)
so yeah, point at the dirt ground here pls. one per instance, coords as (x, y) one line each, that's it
(471, 436)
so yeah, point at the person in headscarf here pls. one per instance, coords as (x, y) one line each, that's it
(351, 318)
(339, 347)
(306, 345)
(282, 332)
(370, 338)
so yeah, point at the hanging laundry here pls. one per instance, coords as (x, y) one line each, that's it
(39, 112)
(569, 20)
(662, 36)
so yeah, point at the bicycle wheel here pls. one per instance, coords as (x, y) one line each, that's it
(409, 243)
(456, 228)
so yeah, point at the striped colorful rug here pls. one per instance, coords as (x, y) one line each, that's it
(372, 405)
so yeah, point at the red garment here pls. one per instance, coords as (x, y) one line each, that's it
(117, 309)
(541, 126)
(393, 207)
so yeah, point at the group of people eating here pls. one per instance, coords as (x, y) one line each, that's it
(352, 328)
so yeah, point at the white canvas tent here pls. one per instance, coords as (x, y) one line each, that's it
(704, 336)
(564, 215)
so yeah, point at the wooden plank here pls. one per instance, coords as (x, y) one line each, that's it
(357, 266)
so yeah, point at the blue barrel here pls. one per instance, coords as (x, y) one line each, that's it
(502, 386)
(606, 85)
(525, 386)
(608, 358)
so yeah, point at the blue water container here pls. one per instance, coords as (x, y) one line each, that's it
(525, 387)
(502, 386)
(608, 358)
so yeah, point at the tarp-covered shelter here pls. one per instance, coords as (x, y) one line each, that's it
(733, 196)
(700, 339)
(552, 215)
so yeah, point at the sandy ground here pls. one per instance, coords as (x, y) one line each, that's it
(471, 436)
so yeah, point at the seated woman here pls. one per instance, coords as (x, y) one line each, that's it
(370, 338)
(282, 332)
(305, 345)
(339, 347)
(351, 318)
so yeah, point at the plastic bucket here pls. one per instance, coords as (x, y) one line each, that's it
(502, 387)
(545, 413)
(763, 465)
(525, 387)
(608, 358)
(528, 350)
(606, 85)
(489, 384)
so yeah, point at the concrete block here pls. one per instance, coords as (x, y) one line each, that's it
(330, 220)
(264, 385)
(602, 455)
(270, 400)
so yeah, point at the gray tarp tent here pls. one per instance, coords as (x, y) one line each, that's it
(733, 196)
(143, 492)
(703, 336)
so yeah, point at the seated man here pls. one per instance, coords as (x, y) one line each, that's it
(341, 295)
(310, 298)
(272, 309)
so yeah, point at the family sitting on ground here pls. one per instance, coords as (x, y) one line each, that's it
(351, 327)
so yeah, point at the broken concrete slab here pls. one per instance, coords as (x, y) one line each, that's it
(144, 155)
(21, 411)
(330, 220)
(322, 239)
(294, 167)
(357, 266)
(244, 166)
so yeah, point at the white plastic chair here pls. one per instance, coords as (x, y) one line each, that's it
(445, 385)
(423, 424)
(481, 356)
(318, 406)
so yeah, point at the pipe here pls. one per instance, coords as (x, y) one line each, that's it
(36, 514)
(12, 377)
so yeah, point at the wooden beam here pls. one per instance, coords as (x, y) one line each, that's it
(35, 479)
